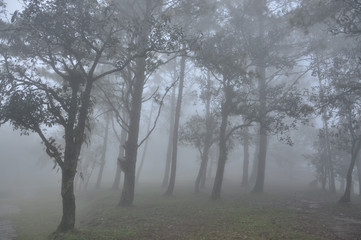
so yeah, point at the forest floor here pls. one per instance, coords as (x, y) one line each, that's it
(279, 214)
(7, 231)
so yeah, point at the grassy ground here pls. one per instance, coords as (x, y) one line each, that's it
(184, 216)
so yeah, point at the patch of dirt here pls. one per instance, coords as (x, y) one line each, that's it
(341, 221)
(7, 231)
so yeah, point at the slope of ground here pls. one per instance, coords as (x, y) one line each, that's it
(277, 215)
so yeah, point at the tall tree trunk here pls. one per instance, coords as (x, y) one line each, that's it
(202, 170)
(358, 165)
(201, 177)
(74, 138)
(170, 139)
(176, 128)
(330, 170)
(68, 200)
(210, 168)
(131, 146)
(253, 177)
(118, 174)
(123, 138)
(104, 152)
(216, 191)
(346, 198)
(146, 145)
(245, 159)
(261, 169)
(204, 174)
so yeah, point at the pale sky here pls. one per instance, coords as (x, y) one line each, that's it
(12, 5)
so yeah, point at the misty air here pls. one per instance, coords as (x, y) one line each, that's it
(180, 119)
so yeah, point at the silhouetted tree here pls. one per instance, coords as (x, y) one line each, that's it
(69, 40)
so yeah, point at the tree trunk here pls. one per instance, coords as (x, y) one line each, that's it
(216, 191)
(204, 175)
(146, 145)
(123, 138)
(202, 170)
(358, 165)
(210, 168)
(330, 170)
(253, 177)
(118, 174)
(104, 152)
(131, 146)
(346, 198)
(261, 170)
(170, 143)
(175, 129)
(245, 159)
(68, 199)
(201, 177)
(74, 138)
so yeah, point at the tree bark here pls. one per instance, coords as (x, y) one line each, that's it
(245, 159)
(201, 177)
(261, 170)
(358, 165)
(216, 191)
(121, 153)
(68, 200)
(202, 170)
(131, 146)
(346, 198)
(330, 170)
(104, 152)
(253, 177)
(74, 138)
(259, 185)
(171, 183)
(170, 143)
(146, 145)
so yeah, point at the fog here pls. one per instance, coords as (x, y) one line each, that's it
(179, 119)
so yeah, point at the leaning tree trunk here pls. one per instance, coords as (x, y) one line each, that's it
(245, 159)
(216, 191)
(170, 138)
(104, 152)
(346, 198)
(171, 183)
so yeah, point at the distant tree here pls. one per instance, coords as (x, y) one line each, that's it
(103, 151)
(175, 134)
(201, 133)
